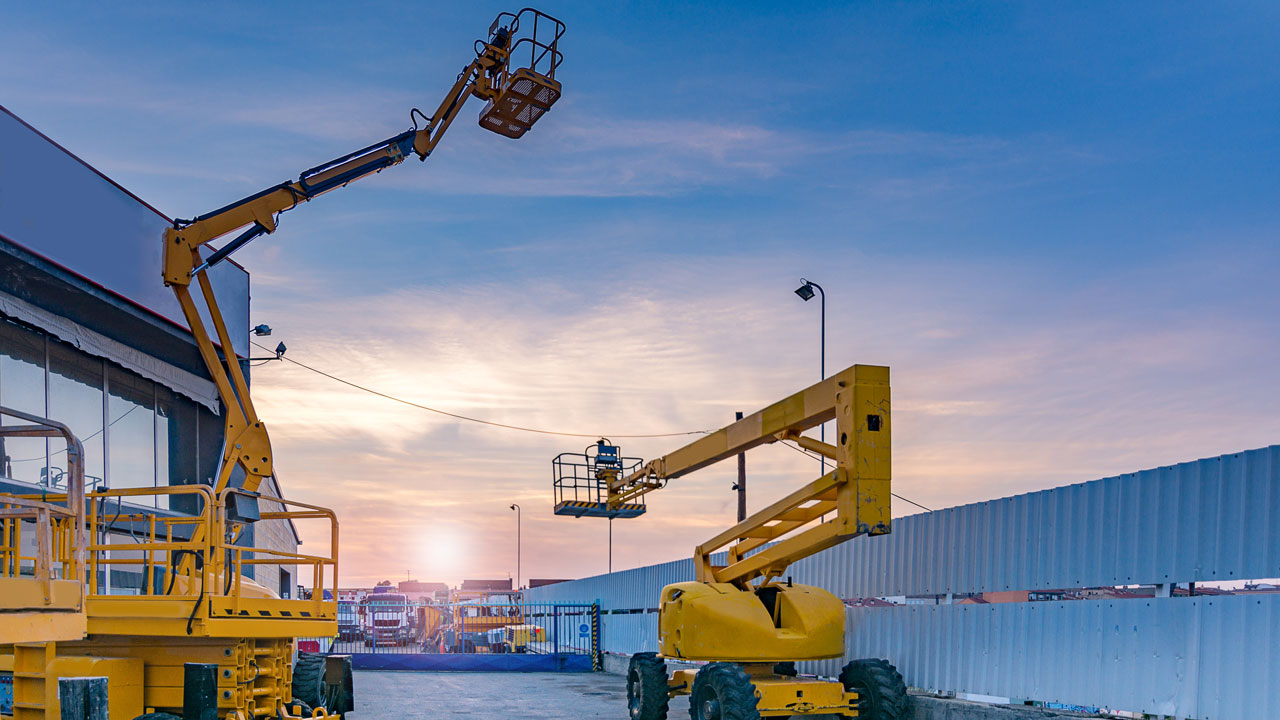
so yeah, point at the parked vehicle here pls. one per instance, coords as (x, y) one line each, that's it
(386, 619)
(349, 629)
(520, 638)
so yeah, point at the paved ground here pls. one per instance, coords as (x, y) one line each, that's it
(399, 695)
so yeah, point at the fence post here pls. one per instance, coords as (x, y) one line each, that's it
(597, 651)
(83, 698)
(555, 629)
(199, 691)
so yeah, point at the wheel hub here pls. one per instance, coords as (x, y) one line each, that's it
(710, 709)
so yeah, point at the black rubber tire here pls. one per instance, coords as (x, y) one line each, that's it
(308, 679)
(882, 694)
(647, 695)
(723, 691)
(785, 669)
(297, 708)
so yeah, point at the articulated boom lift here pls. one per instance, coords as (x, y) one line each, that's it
(739, 615)
(195, 604)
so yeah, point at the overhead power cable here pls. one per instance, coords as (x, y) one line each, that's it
(466, 418)
(802, 451)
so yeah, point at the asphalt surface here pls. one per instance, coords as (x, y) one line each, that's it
(399, 695)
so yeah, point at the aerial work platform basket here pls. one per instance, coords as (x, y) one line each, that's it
(525, 94)
(582, 479)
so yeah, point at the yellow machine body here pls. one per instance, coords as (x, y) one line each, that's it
(35, 698)
(141, 642)
(782, 695)
(740, 612)
(254, 675)
(519, 637)
(188, 610)
(720, 621)
(26, 616)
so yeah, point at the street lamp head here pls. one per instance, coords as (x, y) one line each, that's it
(513, 506)
(805, 291)
(262, 330)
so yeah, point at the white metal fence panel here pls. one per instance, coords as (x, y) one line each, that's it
(1209, 657)
(1212, 519)
(629, 634)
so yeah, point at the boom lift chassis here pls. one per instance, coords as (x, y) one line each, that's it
(740, 615)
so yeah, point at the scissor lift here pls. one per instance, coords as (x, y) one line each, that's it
(582, 480)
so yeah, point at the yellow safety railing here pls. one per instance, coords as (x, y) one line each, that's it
(161, 544)
(162, 541)
(57, 524)
(267, 556)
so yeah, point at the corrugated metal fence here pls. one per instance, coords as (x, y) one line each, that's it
(1215, 657)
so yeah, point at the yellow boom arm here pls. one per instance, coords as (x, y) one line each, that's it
(516, 99)
(857, 491)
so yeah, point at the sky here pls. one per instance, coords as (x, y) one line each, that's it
(1058, 224)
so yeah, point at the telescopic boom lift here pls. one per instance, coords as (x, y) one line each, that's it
(195, 604)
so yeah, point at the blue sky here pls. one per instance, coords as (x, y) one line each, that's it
(1056, 222)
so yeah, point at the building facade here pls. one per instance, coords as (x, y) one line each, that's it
(90, 337)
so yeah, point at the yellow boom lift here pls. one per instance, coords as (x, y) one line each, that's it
(195, 604)
(742, 616)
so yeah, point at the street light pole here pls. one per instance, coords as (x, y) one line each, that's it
(805, 291)
(517, 509)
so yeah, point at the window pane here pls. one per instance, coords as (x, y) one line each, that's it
(22, 388)
(210, 445)
(176, 444)
(75, 398)
(131, 431)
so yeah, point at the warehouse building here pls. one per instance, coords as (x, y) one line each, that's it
(89, 336)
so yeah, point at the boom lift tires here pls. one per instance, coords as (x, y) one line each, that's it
(647, 694)
(882, 694)
(308, 679)
(723, 691)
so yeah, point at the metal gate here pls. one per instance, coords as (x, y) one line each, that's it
(469, 636)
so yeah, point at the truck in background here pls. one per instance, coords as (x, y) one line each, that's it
(349, 629)
(386, 619)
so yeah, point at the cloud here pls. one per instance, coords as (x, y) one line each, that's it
(1082, 383)
(257, 133)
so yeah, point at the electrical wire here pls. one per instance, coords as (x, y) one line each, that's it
(491, 423)
(802, 451)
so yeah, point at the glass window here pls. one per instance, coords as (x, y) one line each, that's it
(75, 399)
(176, 444)
(22, 388)
(131, 433)
(210, 441)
